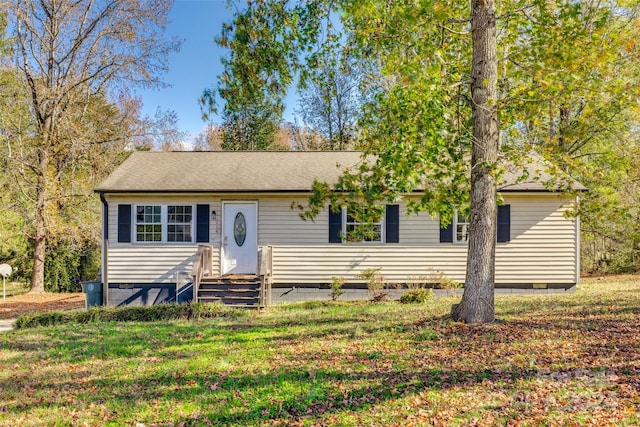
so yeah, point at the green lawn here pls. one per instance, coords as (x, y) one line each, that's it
(554, 360)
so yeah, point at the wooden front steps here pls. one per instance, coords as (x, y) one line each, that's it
(235, 290)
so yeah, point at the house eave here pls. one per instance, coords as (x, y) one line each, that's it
(200, 191)
(288, 191)
(540, 191)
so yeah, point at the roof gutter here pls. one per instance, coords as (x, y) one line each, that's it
(102, 192)
(105, 250)
(197, 191)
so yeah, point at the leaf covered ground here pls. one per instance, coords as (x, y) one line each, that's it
(19, 305)
(549, 360)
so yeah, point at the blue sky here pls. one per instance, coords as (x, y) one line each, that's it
(197, 64)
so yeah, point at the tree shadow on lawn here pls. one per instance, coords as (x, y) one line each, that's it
(279, 395)
(294, 392)
(75, 343)
(547, 314)
(291, 393)
(282, 394)
(617, 308)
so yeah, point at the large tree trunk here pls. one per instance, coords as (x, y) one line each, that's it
(39, 252)
(477, 305)
(40, 224)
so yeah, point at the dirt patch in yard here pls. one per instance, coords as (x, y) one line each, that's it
(16, 306)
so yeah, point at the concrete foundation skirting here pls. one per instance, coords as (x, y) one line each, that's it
(321, 292)
(151, 294)
(141, 294)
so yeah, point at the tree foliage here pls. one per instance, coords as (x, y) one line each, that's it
(162, 132)
(330, 102)
(66, 265)
(303, 138)
(209, 139)
(13, 116)
(268, 42)
(73, 213)
(573, 97)
(252, 127)
(5, 44)
(70, 59)
(564, 84)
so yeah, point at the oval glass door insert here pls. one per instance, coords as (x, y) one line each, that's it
(240, 229)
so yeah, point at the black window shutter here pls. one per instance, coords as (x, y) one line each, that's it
(202, 223)
(392, 224)
(504, 223)
(446, 234)
(335, 226)
(124, 223)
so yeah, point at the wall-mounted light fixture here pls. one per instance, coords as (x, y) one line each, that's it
(213, 215)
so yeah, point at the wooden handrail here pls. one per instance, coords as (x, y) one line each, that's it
(265, 266)
(201, 267)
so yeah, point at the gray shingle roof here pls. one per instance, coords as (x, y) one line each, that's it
(536, 175)
(249, 171)
(227, 171)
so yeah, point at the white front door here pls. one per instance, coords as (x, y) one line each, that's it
(240, 238)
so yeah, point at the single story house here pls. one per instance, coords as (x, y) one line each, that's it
(220, 219)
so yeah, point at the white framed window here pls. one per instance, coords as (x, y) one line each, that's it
(356, 230)
(148, 220)
(179, 223)
(164, 223)
(460, 227)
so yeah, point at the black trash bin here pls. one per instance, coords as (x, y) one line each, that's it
(93, 293)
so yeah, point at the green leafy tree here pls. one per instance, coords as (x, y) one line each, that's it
(14, 119)
(264, 41)
(458, 87)
(70, 58)
(573, 84)
(573, 95)
(330, 103)
(409, 127)
(249, 126)
(73, 217)
(440, 104)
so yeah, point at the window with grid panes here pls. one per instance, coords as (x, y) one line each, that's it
(149, 223)
(359, 231)
(179, 223)
(461, 227)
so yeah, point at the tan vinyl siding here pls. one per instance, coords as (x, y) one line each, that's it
(317, 264)
(543, 242)
(281, 225)
(543, 246)
(153, 264)
(278, 224)
(542, 249)
(417, 229)
(157, 263)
